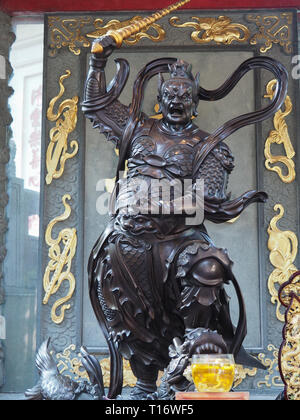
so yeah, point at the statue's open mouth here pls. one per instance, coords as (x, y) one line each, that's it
(176, 110)
(209, 348)
(205, 341)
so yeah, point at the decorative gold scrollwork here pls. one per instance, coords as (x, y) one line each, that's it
(220, 30)
(280, 135)
(241, 373)
(57, 149)
(283, 247)
(112, 25)
(273, 30)
(71, 366)
(68, 364)
(60, 263)
(272, 378)
(67, 33)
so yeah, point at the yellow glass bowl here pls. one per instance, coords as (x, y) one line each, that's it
(213, 372)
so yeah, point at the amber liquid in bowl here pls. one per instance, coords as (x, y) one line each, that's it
(213, 373)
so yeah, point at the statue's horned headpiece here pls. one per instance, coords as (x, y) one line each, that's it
(180, 69)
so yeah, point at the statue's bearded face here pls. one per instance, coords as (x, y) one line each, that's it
(176, 101)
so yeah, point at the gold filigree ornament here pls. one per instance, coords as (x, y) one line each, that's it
(66, 121)
(273, 29)
(220, 30)
(158, 34)
(67, 33)
(280, 135)
(241, 373)
(70, 365)
(58, 269)
(289, 354)
(283, 247)
(272, 378)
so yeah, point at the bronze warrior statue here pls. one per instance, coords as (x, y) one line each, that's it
(154, 277)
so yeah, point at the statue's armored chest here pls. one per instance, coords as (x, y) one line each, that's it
(157, 149)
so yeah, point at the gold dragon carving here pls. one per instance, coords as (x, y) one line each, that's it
(280, 135)
(283, 247)
(220, 30)
(66, 121)
(289, 356)
(58, 269)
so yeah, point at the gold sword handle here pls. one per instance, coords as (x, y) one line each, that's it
(119, 35)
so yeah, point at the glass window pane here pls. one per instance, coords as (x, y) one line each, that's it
(21, 262)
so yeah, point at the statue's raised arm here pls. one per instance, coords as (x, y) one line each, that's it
(101, 104)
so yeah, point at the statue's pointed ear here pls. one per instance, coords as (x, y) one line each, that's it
(160, 82)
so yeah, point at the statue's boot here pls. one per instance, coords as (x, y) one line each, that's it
(146, 379)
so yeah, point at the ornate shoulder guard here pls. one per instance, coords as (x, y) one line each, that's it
(101, 104)
(215, 170)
